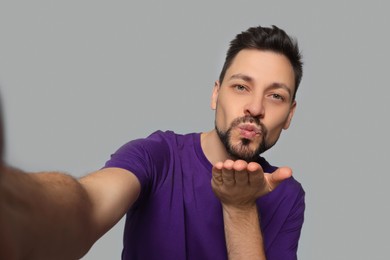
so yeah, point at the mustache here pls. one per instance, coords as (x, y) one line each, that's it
(249, 119)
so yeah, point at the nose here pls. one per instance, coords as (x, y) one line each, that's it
(255, 108)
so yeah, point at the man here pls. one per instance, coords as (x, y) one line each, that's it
(250, 210)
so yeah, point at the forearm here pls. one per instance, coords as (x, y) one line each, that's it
(242, 232)
(43, 216)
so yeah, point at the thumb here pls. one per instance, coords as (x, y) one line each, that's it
(281, 174)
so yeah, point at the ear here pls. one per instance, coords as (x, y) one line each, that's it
(214, 97)
(290, 115)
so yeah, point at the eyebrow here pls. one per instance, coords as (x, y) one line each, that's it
(242, 76)
(282, 86)
(249, 79)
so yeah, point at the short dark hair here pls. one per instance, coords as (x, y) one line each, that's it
(267, 39)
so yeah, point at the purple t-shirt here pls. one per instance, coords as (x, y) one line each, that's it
(177, 215)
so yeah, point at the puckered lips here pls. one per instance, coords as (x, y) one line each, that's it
(249, 131)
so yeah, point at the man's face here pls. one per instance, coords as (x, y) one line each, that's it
(254, 102)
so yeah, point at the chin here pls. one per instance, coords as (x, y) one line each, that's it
(244, 150)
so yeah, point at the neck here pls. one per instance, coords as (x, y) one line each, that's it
(213, 148)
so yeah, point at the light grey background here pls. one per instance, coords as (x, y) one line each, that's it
(80, 78)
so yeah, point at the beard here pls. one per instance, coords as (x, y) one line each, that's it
(244, 148)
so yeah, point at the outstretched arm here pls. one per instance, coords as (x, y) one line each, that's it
(55, 216)
(238, 184)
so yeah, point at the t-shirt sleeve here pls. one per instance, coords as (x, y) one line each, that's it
(285, 244)
(146, 158)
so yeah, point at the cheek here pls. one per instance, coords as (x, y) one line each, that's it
(276, 124)
(223, 116)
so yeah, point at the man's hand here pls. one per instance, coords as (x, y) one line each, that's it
(239, 184)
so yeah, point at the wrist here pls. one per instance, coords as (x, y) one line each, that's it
(240, 211)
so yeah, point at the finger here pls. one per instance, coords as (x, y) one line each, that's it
(256, 174)
(253, 166)
(217, 173)
(278, 176)
(228, 173)
(240, 172)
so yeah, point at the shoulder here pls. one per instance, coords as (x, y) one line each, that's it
(290, 185)
(168, 140)
(291, 191)
(156, 148)
(155, 141)
(289, 194)
(163, 138)
(292, 196)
